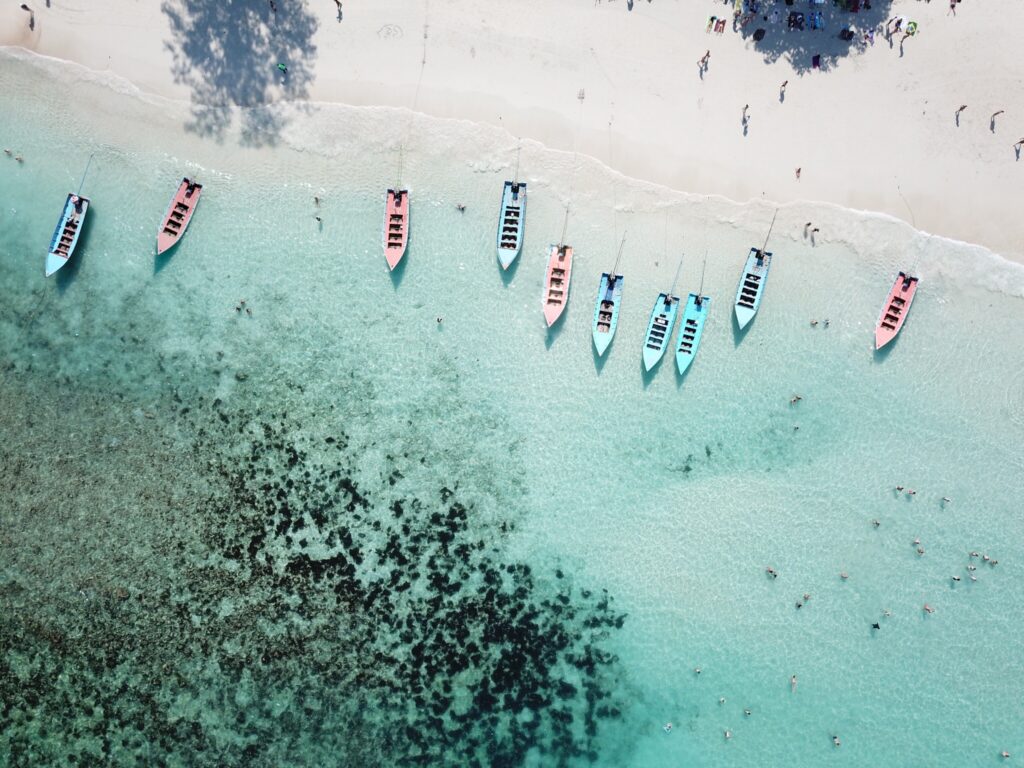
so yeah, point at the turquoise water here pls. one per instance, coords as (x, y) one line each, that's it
(337, 532)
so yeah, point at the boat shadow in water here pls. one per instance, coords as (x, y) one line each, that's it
(554, 331)
(738, 333)
(66, 275)
(398, 273)
(881, 355)
(161, 260)
(648, 376)
(508, 275)
(599, 360)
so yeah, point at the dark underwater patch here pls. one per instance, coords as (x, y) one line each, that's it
(315, 618)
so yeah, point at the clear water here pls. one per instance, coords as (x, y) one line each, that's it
(180, 476)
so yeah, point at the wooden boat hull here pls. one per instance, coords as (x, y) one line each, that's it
(606, 311)
(65, 236)
(179, 214)
(894, 311)
(556, 282)
(659, 329)
(511, 222)
(751, 287)
(690, 329)
(396, 226)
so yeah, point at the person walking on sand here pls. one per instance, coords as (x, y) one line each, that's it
(745, 108)
(961, 109)
(782, 88)
(798, 173)
(1019, 144)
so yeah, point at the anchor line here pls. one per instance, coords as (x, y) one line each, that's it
(415, 97)
(770, 227)
(615, 266)
(82, 182)
(679, 266)
(572, 177)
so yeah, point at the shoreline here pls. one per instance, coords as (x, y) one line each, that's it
(646, 188)
(842, 161)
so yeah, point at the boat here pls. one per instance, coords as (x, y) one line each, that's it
(894, 311)
(179, 214)
(755, 275)
(556, 282)
(606, 310)
(511, 222)
(396, 226)
(690, 329)
(65, 236)
(751, 287)
(659, 329)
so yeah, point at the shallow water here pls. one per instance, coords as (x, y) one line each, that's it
(308, 535)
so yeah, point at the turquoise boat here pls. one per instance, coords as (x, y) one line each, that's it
(690, 330)
(65, 236)
(606, 311)
(659, 329)
(751, 287)
(511, 222)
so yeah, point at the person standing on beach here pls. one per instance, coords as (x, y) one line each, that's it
(798, 173)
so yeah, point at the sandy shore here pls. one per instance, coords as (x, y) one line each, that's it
(875, 130)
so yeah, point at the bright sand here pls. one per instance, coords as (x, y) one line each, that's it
(172, 588)
(874, 125)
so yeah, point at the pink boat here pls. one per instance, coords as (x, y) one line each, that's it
(556, 282)
(179, 214)
(895, 310)
(396, 226)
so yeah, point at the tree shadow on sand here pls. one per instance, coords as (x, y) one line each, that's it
(805, 32)
(227, 53)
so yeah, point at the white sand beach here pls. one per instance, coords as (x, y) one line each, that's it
(876, 129)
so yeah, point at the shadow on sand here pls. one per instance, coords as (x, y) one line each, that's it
(769, 32)
(227, 53)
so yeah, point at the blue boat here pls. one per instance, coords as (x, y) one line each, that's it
(690, 329)
(606, 310)
(751, 287)
(511, 222)
(659, 329)
(65, 236)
